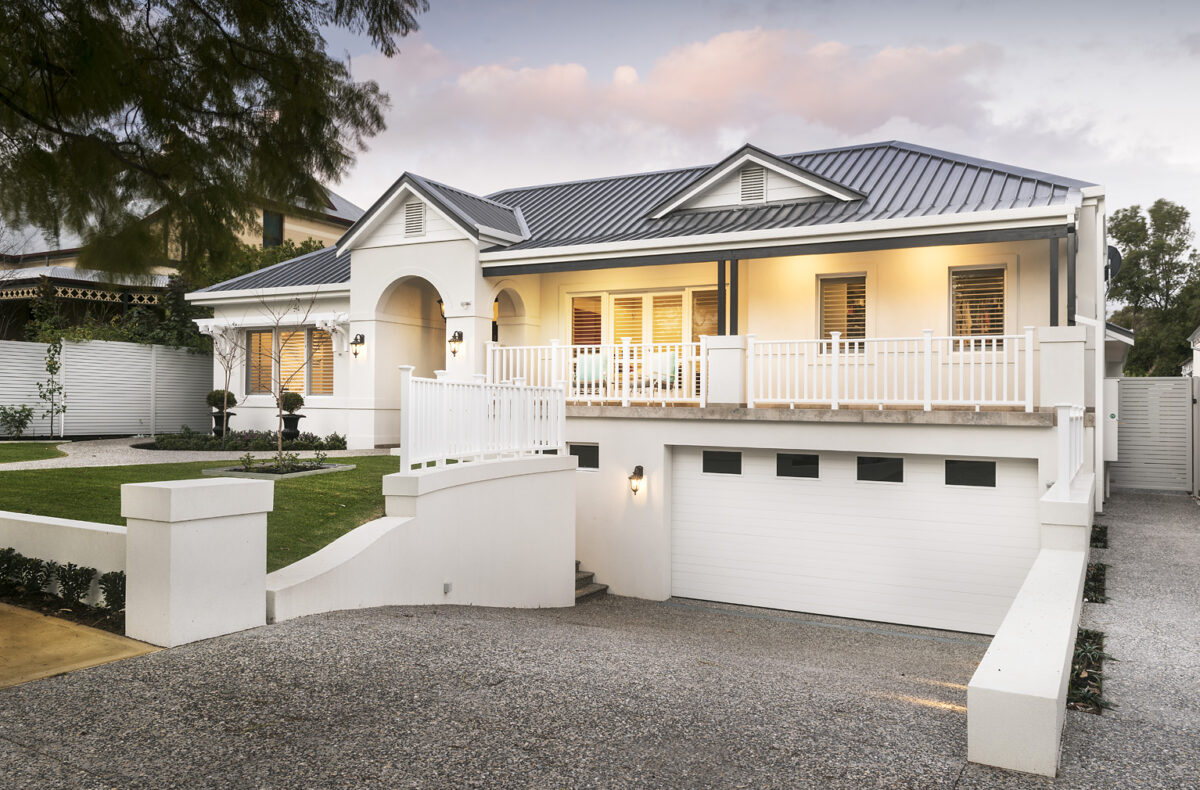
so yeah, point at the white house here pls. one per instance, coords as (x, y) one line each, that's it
(848, 376)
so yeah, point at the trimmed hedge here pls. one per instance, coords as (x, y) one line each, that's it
(188, 439)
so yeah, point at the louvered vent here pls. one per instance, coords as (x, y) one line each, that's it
(754, 184)
(414, 218)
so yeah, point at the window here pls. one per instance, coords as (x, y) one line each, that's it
(722, 462)
(304, 356)
(797, 465)
(844, 307)
(272, 228)
(414, 218)
(880, 470)
(977, 301)
(670, 317)
(258, 361)
(971, 473)
(588, 455)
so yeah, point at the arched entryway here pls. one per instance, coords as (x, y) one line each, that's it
(510, 325)
(412, 326)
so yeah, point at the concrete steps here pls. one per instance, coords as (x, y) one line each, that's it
(586, 585)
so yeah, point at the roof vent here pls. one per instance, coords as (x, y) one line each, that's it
(414, 218)
(754, 184)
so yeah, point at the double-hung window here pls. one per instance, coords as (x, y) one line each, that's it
(300, 360)
(977, 301)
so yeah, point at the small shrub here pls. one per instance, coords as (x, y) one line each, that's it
(217, 400)
(34, 575)
(291, 402)
(262, 443)
(112, 584)
(247, 462)
(334, 441)
(1087, 680)
(15, 419)
(320, 457)
(246, 440)
(74, 582)
(10, 564)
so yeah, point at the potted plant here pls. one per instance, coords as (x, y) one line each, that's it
(290, 402)
(221, 401)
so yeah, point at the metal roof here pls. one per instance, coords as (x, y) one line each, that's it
(895, 179)
(322, 267)
(71, 274)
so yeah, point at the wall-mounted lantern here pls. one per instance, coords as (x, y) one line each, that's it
(456, 342)
(357, 343)
(442, 309)
(636, 480)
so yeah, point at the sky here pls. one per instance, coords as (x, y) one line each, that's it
(489, 95)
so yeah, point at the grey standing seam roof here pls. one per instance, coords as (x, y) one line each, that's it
(896, 179)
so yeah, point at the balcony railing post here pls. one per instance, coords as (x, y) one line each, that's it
(1028, 368)
(406, 417)
(703, 393)
(556, 374)
(749, 371)
(927, 376)
(626, 370)
(489, 360)
(1065, 447)
(834, 372)
(561, 436)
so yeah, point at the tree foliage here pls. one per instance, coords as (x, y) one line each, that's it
(186, 111)
(1159, 284)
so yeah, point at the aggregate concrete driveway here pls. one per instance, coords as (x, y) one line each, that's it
(615, 693)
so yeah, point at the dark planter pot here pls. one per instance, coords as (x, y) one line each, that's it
(291, 426)
(220, 420)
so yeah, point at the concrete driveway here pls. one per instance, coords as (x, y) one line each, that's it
(616, 693)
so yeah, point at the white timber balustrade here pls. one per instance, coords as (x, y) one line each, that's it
(1070, 443)
(624, 372)
(444, 420)
(924, 371)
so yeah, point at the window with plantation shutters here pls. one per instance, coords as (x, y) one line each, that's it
(291, 361)
(704, 314)
(977, 299)
(585, 321)
(666, 319)
(627, 319)
(844, 307)
(414, 218)
(320, 366)
(258, 361)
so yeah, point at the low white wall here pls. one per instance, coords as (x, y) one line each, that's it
(499, 533)
(1016, 700)
(63, 540)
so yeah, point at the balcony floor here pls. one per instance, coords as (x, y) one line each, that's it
(999, 416)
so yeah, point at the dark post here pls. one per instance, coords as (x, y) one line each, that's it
(1053, 282)
(1072, 243)
(733, 296)
(720, 297)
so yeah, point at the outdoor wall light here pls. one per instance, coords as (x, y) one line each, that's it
(636, 479)
(456, 342)
(357, 343)
(442, 309)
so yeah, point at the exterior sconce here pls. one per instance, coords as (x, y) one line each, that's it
(456, 342)
(636, 479)
(357, 343)
(442, 309)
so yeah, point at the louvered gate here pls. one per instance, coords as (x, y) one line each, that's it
(1155, 434)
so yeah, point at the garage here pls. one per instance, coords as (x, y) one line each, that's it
(916, 539)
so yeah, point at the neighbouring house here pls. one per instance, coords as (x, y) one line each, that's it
(851, 378)
(29, 258)
(1192, 366)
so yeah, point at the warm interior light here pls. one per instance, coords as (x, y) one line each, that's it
(357, 343)
(636, 479)
(456, 340)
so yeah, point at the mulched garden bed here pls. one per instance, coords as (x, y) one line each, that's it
(1099, 536)
(1086, 692)
(54, 606)
(1094, 589)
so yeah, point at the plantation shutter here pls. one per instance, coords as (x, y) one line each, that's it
(585, 321)
(291, 361)
(258, 361)
(978, 301)
(627, 319)
(667, 318)
(321, 365)
(704, 314)
(844, 307)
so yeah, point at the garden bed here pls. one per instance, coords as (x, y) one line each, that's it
(53, 606)
(1086, 692)
(1099, 536)
(270, 472)
(26, 581)
(259, 441)
(1094, 584)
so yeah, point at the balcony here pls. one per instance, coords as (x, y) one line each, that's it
(921, 372)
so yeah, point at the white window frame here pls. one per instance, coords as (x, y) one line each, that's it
(608, 310)
(275, 373)
(868, 318)
(950, 270)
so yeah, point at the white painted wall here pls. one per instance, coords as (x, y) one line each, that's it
(500, 533)
(111, 388)
(62, 540)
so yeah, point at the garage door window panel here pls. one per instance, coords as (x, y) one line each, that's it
(880, 469)
(588, 455)
(797, 465)
(976, 474)
(721, 462)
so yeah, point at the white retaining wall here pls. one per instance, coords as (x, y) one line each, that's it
(499, 533)
(111, 388)
(63, 540)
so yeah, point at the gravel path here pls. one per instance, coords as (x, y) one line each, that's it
(120, 452)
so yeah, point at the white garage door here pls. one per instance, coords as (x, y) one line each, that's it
(918, 552)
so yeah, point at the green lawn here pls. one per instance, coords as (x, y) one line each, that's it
(28, 451)
(309, 512)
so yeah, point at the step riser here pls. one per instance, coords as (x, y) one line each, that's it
(586, 585)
